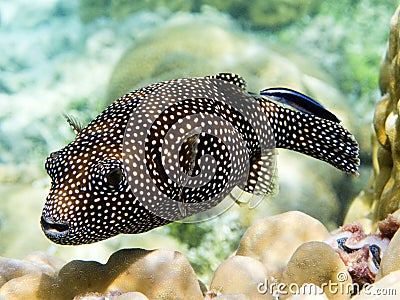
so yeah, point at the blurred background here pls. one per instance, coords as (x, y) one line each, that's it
(78, 56)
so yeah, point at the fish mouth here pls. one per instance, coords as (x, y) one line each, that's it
(54, 229)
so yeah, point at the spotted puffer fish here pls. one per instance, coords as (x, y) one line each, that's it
(176, 148)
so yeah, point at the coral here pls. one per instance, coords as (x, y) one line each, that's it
(274, 14)
(262, 14)
(172, 52)
(297, 249)
(317, 263)
(390, 261)
(385, 184)
(361, 253)
(130, 296)
(227, 297)
(128, 270)
(35, 263)
(240, 275)
(274, 239)
(384, 288)
(90, 10)
(281, 249)
(256, 271)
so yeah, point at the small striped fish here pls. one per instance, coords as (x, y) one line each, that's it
(176, 148)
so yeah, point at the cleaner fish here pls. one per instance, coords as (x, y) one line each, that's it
(177, 148)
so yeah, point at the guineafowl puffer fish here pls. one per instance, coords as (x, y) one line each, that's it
(176, 148)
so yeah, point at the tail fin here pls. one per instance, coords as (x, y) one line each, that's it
(311, 135)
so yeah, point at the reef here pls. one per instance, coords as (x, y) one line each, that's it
(260, 14)
(136, 271)
(380, 197)
(277, 256)
(287, 248)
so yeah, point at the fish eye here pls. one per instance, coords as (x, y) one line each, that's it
(114, 177)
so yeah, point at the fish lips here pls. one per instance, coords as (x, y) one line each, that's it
(54, 230)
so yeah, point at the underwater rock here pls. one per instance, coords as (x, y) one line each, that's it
(317, 263)
(158, 274)
(386, 153)
(274, 239)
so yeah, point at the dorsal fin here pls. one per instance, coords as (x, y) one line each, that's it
(75, 124)
(231, 78)
(300, 102)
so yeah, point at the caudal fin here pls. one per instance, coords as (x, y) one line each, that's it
(314, 136)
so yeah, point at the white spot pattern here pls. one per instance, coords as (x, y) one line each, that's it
(173, 149)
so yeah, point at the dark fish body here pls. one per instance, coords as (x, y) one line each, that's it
(174, 149)
(300, 102)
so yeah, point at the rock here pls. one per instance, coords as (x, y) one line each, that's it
(274, 239)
